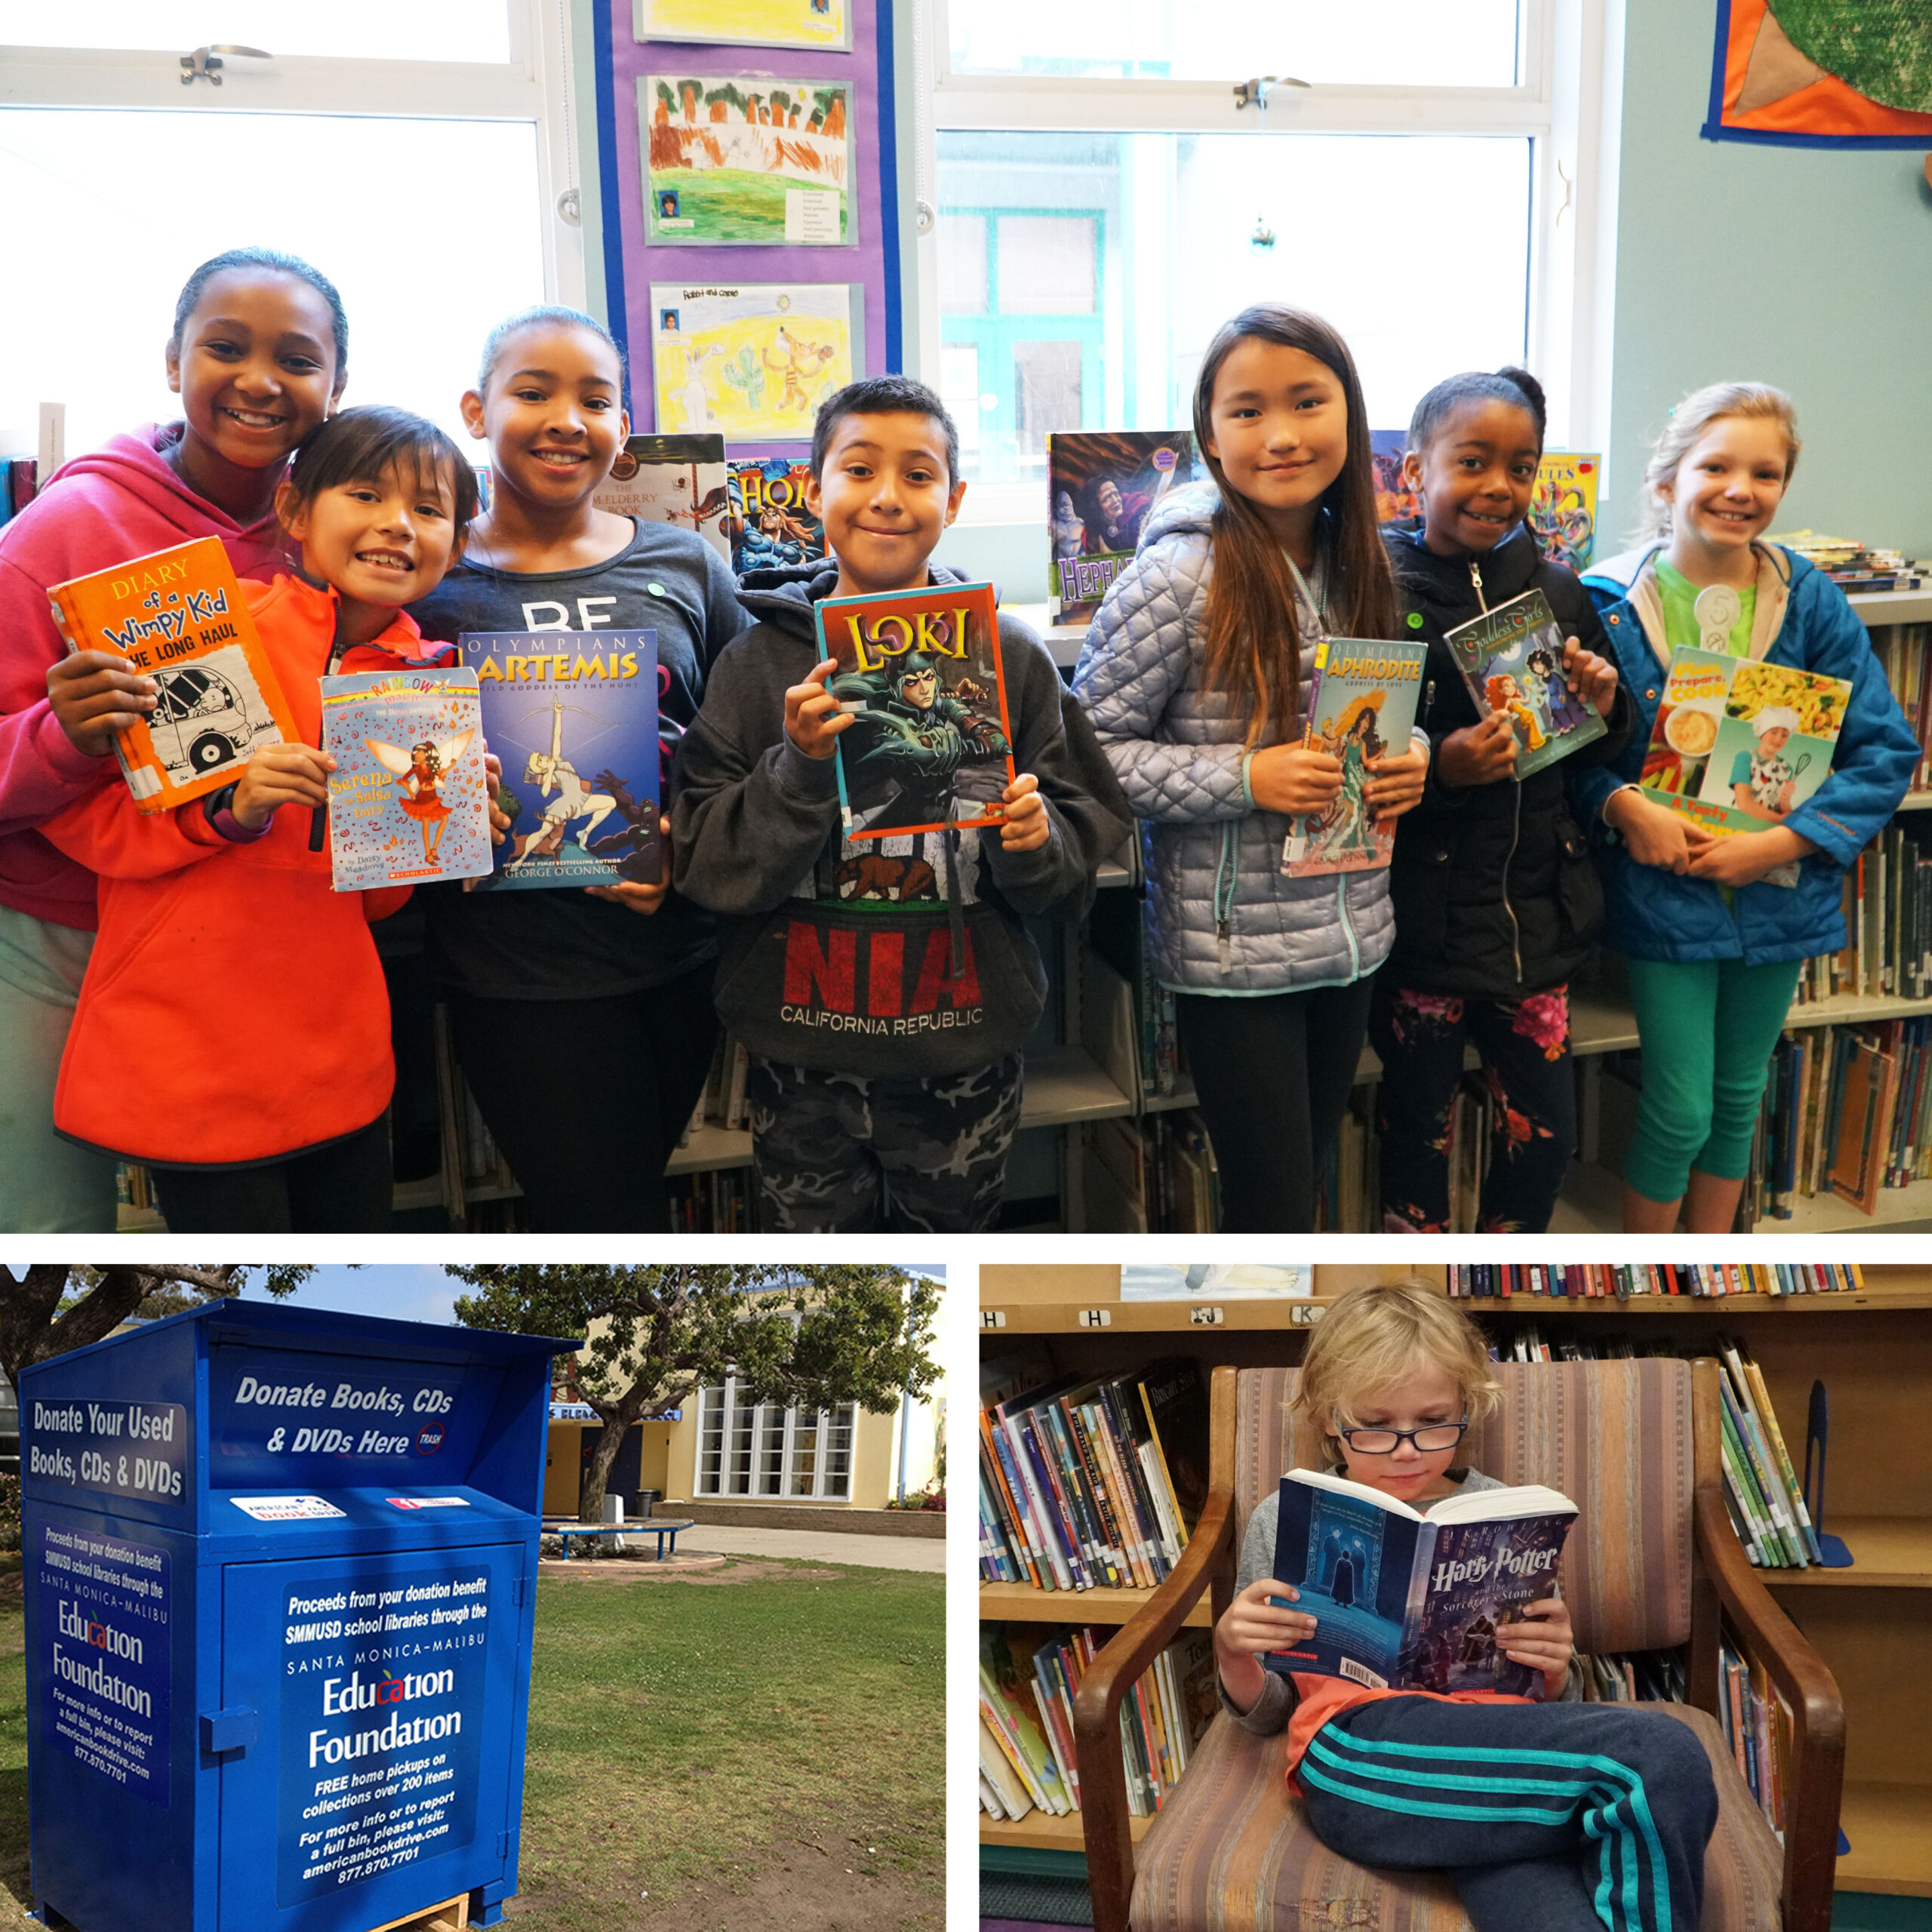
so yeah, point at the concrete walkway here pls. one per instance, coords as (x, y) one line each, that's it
(818, 1547)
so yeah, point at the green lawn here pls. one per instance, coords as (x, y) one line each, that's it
(719, 1744)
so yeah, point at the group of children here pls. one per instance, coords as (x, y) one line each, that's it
(232, 1029)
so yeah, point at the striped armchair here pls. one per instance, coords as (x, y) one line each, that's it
(1650, 1560)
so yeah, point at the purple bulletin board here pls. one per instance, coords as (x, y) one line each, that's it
(631, 264)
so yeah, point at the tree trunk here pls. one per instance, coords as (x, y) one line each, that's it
(617, 1422)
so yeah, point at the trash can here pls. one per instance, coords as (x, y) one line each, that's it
(280, 1592)
(646, 1501)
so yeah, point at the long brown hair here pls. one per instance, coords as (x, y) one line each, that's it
(1252, 645)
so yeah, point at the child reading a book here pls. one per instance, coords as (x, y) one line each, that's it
(581, 1017)
(1496, 902)
(1715, 945)
(1483, 1783)
(884, 987)
(258, 356)
(233, 1028)
(1195, 674)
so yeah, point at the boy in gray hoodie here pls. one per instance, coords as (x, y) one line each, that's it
(883, 988)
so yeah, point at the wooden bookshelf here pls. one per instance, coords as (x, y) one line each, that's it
(1889, 1829)
(1040, 1831)
(1021, 1603)
(1888, 1553)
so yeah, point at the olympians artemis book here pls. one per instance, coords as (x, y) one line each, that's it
(929, 745)
(573, 715)
(1512, 660)
(176, 616)
(408, 799)
(1408, 1599)
(1361, 702)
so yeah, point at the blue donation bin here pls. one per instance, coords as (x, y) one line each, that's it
(281, 1583)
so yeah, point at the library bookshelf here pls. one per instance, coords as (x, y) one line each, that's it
(1873, 1349)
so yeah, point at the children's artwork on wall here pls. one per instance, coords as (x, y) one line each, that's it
(824, 24)
(753, 361)
(1208, 1281)
(1818, 73)
(745, 160)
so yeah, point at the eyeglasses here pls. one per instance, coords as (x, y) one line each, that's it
(1427, 1440)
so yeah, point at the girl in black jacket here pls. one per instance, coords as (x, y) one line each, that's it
(1496, 903)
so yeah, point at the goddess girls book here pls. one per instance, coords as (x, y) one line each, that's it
(1361, 703)
(1406, 1599)
(678, 480)
(930, 744)
(573, 715)
(176, 616)
(409, 798)
(1101, 484)
(1512, 660)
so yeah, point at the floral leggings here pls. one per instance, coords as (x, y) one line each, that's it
(1525, 1048)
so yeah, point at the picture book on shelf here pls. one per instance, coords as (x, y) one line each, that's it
(767, 523)
(409, 798)
(1738, 746)
(1512, 660)
(1361, 702)
(678, 480)
(919, 672)
(177, 616)
(573, 715)
(1408, 1599)
(1101, 485)
(1563, 511)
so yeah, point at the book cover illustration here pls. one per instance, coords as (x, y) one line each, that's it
(1361, 703)
(745, 160)
(408, 799)
(573, 715)
(1563, 511)
(930, 743)
(177, 616)
(1512, 660)
(1404, 1599)
(767, 524)
(1100, 486)
(1738, 746)
(752, 360)
(1393, 499)
(678, 480)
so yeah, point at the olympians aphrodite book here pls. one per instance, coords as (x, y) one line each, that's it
(1361, 703)
(930, 743)
(177, 616)
(409, 798)
(1101, 484)
(573, 715)
(1512, 660)
(1408, 1599)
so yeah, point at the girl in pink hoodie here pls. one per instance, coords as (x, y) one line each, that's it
(258, 357)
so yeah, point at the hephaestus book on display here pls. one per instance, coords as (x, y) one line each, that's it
(1101, 486)
(929, 744)
(177, 616)
(1406, 1599)
(1512, 660)
(572, 716)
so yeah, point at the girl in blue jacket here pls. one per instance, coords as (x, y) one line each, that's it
(1715, 940)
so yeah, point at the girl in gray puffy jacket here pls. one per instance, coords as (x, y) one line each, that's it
(1193, 677)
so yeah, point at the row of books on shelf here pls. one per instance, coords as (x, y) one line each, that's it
(1594, 1280)
(722, 1103)
(1027, 1760)
(1087, 1483)
(1887, 900)
(1902, 651)
(1152, 1174)
(1757, 1724)
(720, 1201)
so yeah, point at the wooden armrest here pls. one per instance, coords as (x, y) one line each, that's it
(1108, 1679)
(1817, 1712)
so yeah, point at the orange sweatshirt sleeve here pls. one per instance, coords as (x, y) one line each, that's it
(109, 834)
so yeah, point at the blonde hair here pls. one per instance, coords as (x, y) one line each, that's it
(1687, 423)
(1374, 1337)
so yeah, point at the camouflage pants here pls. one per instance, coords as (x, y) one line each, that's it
(839, 1154)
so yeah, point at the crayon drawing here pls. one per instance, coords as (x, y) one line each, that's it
(753, 360)
(745, 160)
(820, 23)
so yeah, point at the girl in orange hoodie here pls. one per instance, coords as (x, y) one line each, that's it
(233, 1028)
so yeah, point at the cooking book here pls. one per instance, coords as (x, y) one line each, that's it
(408, 799)
(1361, 704)
(1738, 746)
(1101, 484)
(1408, 1599)
(177, 616)
(1512, 660)
(572, 716)
(919, 672)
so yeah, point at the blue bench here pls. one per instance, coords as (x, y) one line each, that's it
(662, 1527)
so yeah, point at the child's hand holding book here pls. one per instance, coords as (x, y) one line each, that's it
(813, 716)
(280, 775)
(1396, 780)
(1297, 779)
(1478, 754)
(96, 697)
(1260, 1621)
(1542, 1641)
(1027, 827)
(1593, 677)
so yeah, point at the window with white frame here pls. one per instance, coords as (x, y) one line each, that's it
(1103, 204)
(751, 1448)
(415, 155)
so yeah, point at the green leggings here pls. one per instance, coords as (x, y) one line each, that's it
(1708, 1027)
